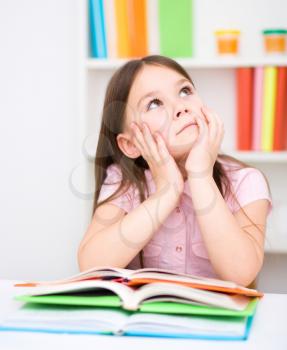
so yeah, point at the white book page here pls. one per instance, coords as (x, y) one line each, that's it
(101, 271)
(232, 302)
(69, 318)
(116, 272)
(124, 292)
(172, 276)
(173, 324)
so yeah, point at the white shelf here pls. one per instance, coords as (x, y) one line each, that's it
(213, 62)
(259, 157)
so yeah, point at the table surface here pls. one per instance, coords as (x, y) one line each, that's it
(269, 331)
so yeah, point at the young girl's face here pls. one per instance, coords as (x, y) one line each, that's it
(167, 102)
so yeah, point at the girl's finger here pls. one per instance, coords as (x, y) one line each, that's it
(220, 133)
(212, 123)
(202, 126)
(138, 138)
(150, 142)
(162, 149)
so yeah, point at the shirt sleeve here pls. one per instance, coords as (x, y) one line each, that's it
(111, 183)
(251, 185)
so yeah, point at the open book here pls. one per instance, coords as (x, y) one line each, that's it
(150, 275)
(65, 319)
(131, 298)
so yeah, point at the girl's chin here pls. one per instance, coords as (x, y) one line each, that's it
(184, 147)
(180, 153)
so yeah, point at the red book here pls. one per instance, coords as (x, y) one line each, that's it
(280, 127)
(244, 82)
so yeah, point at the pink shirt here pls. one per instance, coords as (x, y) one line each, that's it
(178, 245)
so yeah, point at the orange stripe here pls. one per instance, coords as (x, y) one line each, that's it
(248, 292)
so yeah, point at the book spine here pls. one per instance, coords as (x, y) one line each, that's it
(152, 27)
(175, 28)
(257, 111)
(97, 28)
(137, 27)
(123, 41)
(110, 20)
(269, 97)
(280, 110)
(244, 81)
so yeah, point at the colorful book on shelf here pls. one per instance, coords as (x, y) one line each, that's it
(269, 103)
(137, 28)
(97, 29)
(122, 30)
(175, 28)
(131, 28)
(110, 25)
(280, 126)
(152, 27)
(257, 108)
(210, 324)
(244, 81)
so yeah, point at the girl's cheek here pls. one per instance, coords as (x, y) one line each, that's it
(156, 122)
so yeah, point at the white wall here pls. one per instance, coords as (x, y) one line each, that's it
(40, 226)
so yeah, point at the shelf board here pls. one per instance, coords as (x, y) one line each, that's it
(212, 62)
(260, 157)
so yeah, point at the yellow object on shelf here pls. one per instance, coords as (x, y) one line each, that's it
(227, 41)
(275, 40)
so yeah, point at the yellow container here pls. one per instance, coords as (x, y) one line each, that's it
(227, 41)
(275, 40)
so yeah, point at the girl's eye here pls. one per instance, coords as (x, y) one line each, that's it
(156, 101)
(187, 89)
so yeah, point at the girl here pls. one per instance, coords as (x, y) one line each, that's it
(165, 197)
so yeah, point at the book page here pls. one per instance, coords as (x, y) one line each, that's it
(95, 272)
(198, 325)
(124, 292)
(61, 318)
(154, 290)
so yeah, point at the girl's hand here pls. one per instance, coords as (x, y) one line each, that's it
(163, 167)
(203, 154)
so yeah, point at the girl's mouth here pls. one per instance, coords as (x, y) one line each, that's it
(187, 126)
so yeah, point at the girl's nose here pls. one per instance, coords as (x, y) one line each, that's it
(182, 111)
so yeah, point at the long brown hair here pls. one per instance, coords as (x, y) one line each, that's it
(112, 123)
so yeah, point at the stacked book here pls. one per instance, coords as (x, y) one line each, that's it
(144, 302)
(136, 28)
(262, 108)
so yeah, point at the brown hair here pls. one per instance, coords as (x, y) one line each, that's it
(112, 124)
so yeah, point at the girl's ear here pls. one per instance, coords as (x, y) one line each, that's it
(127, 146)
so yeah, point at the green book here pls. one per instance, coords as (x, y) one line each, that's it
(111, 293)
(114, 301)
(175, 28)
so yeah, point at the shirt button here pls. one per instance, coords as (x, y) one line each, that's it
(178, 248)
(178, 209)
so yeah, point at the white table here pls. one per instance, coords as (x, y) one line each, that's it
(269, 331)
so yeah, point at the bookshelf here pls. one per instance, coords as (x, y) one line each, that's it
(197, 63)
(94, 75)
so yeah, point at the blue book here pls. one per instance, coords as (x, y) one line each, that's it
(98, 42)
(47, 318)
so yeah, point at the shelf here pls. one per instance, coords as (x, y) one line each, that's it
(213, 62)
(259, 157)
